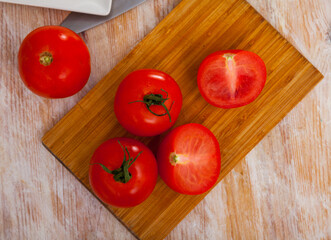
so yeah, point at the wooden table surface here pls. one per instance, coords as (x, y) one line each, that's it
(281, 190)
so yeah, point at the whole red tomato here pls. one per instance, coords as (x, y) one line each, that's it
(54, 62)
(231, 78)
(123, 172)
(147, 102)
(189, 159)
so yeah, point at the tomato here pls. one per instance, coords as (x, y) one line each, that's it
(54, 62)
(147, 102)
(231, 78)
(189, 159)
(112, 177)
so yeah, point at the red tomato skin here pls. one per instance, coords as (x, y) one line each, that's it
(171, 144)
(70, 69)
(252, 60)
(135, 117)
(143, 170)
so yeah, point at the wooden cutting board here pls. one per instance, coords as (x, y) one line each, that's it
(177, 46)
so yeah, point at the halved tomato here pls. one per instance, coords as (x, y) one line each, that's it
(231, 78)
(189, 159)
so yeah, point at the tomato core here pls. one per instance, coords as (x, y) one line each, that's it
(46, 58)
(175, 159)
(231, 73)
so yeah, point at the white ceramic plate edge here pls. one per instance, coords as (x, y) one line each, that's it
(96, 10)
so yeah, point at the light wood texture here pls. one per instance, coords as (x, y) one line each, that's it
(280, 190)
(193, 30)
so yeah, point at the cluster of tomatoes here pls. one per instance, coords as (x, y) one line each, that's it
(55, 62)
(123, 172)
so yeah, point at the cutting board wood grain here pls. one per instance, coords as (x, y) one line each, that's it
(177, 46)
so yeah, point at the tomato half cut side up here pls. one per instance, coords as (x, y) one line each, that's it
(231, 78)
(189, 159)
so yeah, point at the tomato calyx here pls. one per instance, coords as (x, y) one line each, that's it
(46, 58)
(156, 99)
(122, 173)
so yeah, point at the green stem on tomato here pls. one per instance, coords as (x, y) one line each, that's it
(156, 99)
(46, 58)
(122, 173)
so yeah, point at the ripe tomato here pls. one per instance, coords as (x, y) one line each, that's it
(189, 159)
(231, 78)
(148, 102)
(123, 172)
(54, 62)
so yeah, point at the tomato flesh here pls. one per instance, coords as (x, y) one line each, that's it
(232, 78)
(189, 159)
(143, 171)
